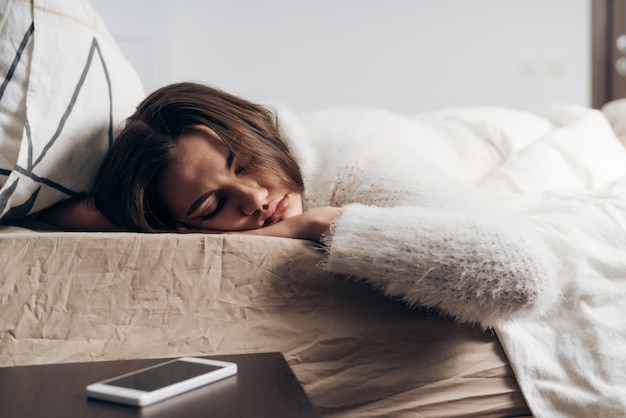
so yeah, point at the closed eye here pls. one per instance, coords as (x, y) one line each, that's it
(229, 160)
(221, 201)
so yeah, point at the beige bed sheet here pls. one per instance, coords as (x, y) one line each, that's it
(69, 297)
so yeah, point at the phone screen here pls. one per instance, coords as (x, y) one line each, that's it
(163, 375)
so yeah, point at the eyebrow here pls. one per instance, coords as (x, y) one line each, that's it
(204, 196)
(229, 160)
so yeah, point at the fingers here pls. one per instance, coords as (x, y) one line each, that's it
(310, 225)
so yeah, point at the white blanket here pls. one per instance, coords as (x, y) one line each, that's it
(569, 176)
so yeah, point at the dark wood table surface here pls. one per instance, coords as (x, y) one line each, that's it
(264, 386)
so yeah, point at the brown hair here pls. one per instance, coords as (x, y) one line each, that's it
(125, 190)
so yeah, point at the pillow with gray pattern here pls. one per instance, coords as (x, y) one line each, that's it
(66, 90)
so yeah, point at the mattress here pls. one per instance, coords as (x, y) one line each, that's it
(69, 297)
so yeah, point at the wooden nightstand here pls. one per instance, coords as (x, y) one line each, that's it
(264, 386)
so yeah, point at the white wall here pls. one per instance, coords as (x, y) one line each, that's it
(405, 55)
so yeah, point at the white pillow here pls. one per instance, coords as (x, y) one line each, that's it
(66, 90)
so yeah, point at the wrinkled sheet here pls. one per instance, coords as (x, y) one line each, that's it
(69, 297)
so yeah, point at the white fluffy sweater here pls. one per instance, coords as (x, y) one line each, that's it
(407, 227)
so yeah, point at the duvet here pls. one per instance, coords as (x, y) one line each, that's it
(570, 181)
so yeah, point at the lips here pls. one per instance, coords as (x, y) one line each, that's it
(281, 207)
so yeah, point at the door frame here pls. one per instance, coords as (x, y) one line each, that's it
(601, 44)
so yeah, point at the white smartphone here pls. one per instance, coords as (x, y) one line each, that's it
(162, 381)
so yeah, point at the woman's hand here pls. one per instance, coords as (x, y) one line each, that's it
(311, 225)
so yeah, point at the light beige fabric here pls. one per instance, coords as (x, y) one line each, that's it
(70, 297)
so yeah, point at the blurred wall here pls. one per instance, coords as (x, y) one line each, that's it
(405, 55)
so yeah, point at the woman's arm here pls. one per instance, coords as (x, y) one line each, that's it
(311, 225)
(76, 214)
(478, 267)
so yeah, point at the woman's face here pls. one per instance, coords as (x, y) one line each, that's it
(206, 187)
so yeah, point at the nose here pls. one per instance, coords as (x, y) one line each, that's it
(252, 197)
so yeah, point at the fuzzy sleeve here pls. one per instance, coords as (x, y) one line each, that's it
(477, 268)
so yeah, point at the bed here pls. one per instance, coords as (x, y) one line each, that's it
(70, 296)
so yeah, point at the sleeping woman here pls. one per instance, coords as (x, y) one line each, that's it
(194, 159)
